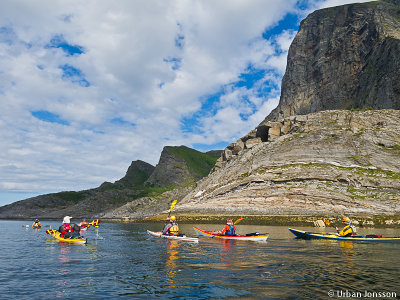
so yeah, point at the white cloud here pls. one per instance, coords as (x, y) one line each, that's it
(129, 51)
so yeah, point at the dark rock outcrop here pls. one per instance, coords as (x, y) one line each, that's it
(343, 57)
(136, 175)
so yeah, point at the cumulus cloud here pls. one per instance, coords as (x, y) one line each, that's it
(88, 86)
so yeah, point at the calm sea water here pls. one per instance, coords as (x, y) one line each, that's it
(121, 260)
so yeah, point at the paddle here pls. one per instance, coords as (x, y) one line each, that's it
(94, 223)
(326, 222)
(238, 220)
(51, 231)
(172, 207)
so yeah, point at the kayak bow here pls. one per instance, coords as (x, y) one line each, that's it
(173, 237)
(256, 237)
(332, 236)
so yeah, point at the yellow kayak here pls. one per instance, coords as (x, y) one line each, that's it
(56, 235)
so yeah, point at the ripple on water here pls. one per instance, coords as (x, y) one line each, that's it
(127, 262)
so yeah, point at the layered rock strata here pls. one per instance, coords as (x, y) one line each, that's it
(341, 162)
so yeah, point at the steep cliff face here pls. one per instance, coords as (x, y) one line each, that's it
(136, 175)
(343, 57)
(328, 162)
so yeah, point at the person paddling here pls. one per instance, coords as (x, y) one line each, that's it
(348, 229)
(172, 227)
(229, 228)
(68, 229)
(36, 224)
(83, 224)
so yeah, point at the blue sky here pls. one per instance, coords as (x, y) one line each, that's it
(86, 87)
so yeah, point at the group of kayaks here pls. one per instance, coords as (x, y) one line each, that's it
(257, 237)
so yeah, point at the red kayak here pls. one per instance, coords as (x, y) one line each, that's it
(248, 237)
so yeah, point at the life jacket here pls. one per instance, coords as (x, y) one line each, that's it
(174, 229)
(231, 230)
(347, 230)
(66, 227)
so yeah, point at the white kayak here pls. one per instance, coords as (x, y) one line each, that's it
(173, 237)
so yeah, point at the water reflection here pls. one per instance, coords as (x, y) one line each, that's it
(171, 265)
(62, 290)
(129, 263)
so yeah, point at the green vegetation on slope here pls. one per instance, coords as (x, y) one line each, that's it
(197, 162)
(71, 196)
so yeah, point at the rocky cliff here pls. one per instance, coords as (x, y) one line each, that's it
(144, 190)
(330, 162)
(342, 58)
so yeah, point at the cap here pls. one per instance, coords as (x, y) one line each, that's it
(347, 220)
(67, 219)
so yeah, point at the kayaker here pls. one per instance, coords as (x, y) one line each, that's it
(36, 224)
(348, 229)
(69, 229)
(229, 228)
(83, 224)
(172, 227)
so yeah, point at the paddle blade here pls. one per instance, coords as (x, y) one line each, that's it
(173, 205)
(238, 220)
(50, 231)
(94, 223)
(326, 221)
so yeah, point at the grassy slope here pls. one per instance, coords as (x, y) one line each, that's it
(198, 162)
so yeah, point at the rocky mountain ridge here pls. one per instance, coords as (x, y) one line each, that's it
(144, 189)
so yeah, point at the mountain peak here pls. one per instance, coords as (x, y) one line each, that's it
(180, 165)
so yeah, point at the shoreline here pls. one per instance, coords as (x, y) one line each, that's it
(379, 221)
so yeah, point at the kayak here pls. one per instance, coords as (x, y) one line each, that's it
(173, 237)
(79, 240)
(37, 227)
(333, 236)
(248, 237)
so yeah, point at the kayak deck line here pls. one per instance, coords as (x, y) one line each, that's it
(301, 234)
(212, 234)
(173, 237)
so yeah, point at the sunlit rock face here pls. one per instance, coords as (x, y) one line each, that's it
(329, 162)
(344, 57)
